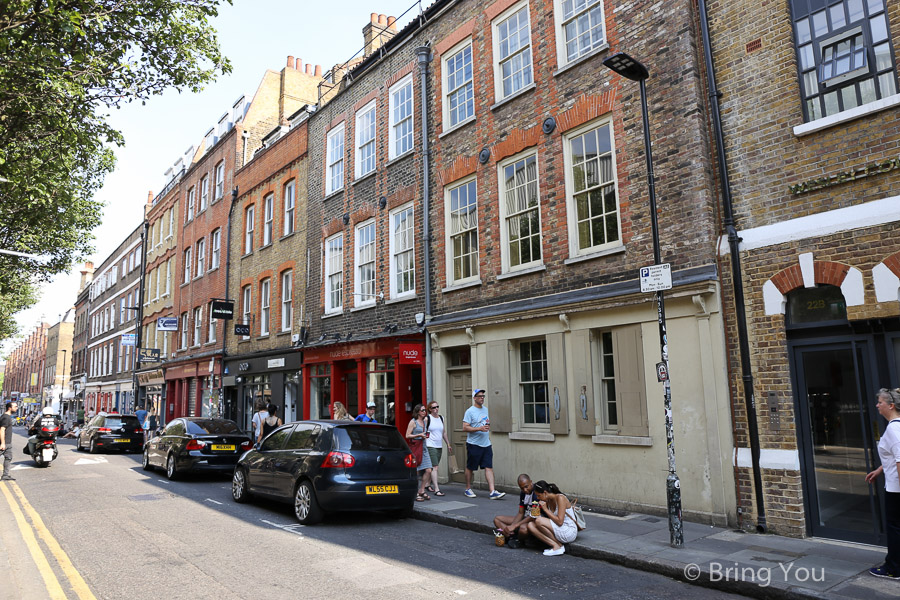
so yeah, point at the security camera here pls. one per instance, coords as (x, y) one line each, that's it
(420, 319)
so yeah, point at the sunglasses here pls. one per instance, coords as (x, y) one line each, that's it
(435, 407)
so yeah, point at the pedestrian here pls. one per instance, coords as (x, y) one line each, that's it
(141, 414)
(152, 424)
(340, 413)
(889, 452)
(557, 524)
(515, 527)
(416, 434)
(434, 444)
(270, 423)
(479, 453)
(258, 416)
(79, 419)
(369, 415)
(6, 431)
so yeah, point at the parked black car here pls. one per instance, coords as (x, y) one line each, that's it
(111, 431)
(196, 444)
(325, 466)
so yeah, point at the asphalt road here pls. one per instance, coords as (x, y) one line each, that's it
(131, 534)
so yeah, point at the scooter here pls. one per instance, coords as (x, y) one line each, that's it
(45, 452)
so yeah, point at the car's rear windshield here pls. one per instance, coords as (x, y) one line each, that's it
(119, 422)
(212, 426)
(364, 437)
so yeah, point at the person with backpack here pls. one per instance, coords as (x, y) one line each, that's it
(434, 443)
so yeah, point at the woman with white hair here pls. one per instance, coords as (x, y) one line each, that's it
(889, 452)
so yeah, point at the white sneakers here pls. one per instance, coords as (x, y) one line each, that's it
(557, 552)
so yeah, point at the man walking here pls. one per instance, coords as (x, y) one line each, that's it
(6, 429)
(369, 415)
(479, 453)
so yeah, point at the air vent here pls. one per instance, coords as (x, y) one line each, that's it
(754, 45)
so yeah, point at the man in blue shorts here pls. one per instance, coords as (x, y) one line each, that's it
(477, 424)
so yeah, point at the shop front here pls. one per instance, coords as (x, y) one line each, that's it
(192, 390)
(387, 372)
(262, 379)
(152, 389)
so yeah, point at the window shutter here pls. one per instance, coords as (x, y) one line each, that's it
(497, 395)
(582, 369)
(559, 399)
(630, 391)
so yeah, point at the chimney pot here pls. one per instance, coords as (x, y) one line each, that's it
(299, 65)
(392, 22)
(150, 197)
(373, 18)
(290, 61)
(382, 19)
(309, 70)
(318, 70)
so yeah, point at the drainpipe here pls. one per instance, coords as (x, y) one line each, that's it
(734, 241)
(139, 326)
(234, 197)
(423, 54)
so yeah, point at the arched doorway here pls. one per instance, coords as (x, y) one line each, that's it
(836, 367)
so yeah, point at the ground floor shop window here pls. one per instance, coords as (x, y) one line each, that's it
(380, 388)
(210, 400)
(320, 391)
(256, 391)
(293, 396)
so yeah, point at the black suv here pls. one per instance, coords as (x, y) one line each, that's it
(325, 466)
(111, 431)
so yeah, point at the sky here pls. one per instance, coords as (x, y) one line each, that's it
(255, 35)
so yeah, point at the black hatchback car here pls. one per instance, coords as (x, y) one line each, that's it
(326, 466)
(196, 444)
(111, 431)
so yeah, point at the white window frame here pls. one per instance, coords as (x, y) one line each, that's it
(395, 251)
(365, 251)
(184, 330)
(168, 277)
(524, 384)
(211, 332)
(334, 160)
(287, 300)
(290, 204)
(215, 249)
(562, 21)
(220, 181)
(334, 274)
(197, 316)
(268, 219)
(450, 192)
(171, 223)
(449, 113)
(187, 265)
(401, 132)
(265, 305)
(201, 258)
(524, 51)
(247, 306)
(204, 192)
(574, 245)
(249, 225)
(366, 137)
(505, 218)
(189, 216)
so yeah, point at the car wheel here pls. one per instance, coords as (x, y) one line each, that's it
(145, 463)
(93, 447)
(306, 507)
(239, 486)
(171, 469)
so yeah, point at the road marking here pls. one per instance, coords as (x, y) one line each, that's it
(75, 580)
(21, 467)
(290, 528)
(213, 501)
(54, 589)
(164, 481)
(91, 461)
(461, 593)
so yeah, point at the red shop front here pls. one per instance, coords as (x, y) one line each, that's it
(192, 389)
(388, 372)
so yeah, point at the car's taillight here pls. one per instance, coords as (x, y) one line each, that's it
(410, 461)
(47, 442)
(338, 459)
(138, 431)
(49, 429)
(246, 445)
(195, 445)
(104, 429)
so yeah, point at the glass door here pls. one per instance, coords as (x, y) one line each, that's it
(835, 423)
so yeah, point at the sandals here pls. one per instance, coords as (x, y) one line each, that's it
(439, 493)
(422, 497)
(428, 488)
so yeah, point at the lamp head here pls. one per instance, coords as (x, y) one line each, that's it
(626, 66)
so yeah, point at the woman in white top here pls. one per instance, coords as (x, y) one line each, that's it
(557, 525)
(889, 452)
(437, 435)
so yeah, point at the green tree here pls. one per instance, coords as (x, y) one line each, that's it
(63, 65)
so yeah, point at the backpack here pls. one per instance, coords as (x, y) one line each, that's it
(428, 421)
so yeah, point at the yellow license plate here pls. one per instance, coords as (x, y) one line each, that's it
(381, 489)
(223, 446)
(122, 441)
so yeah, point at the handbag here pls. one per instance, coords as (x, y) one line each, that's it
(580, 522)
(415, 447)
(454, 467)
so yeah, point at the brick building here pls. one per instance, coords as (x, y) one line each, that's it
(367, 277)
(194, 366)
(24, 380)
(80, 333)
(812, 157)
(56, 361)
(113, 298)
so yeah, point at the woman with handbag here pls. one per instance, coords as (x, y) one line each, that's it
(557, 525)
(416, 434)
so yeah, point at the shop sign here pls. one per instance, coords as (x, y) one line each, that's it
(222, 309)
(148, 377)
(167, 324)
(854, 173)
(128, 339)
(411, 354)
(241, 329)
(276, 362)
(148, 354)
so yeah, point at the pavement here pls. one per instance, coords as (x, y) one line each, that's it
(755, 565)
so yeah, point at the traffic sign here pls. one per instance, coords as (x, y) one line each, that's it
(656, 278)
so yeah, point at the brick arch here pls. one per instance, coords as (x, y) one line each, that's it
(848, 278)
(886, 279)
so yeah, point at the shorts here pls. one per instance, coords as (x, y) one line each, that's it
(435, 454)
(479, 456)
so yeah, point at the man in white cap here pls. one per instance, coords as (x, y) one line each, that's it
(369, 415)
(479, 453)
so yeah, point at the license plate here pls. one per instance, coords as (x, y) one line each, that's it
(223, 447)
(381, 489)
(122, 441)
(47, 455)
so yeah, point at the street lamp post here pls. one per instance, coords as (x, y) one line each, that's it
(631, 69)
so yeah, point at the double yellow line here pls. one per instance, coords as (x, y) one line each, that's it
(28, 531)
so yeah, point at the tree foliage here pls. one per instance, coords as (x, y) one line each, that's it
(63, 65)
